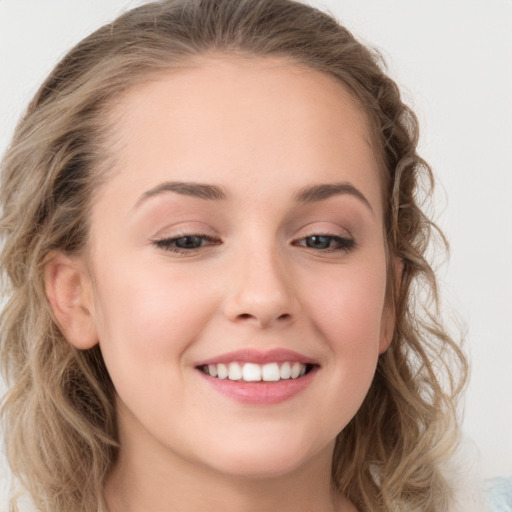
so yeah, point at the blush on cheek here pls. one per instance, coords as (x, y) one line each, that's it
(153, 315)
(349, 315)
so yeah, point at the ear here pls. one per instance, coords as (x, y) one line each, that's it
(388, 320)
(69, 292)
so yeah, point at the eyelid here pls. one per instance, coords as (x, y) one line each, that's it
(342, 239)
(344, 243)
(166, 243)
(323, 228)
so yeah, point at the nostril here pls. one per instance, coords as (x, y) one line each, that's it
(249, 316)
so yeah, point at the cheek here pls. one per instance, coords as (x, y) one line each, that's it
(347, 307)
(351, 302)
(147, 312)
(147, 319)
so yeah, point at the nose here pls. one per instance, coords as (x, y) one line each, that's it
(262, 290)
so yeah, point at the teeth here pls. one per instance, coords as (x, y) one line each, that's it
(252, 372)
(286, 371)
(295, 370)
(270, 372)
(222, 371)
(235, 371)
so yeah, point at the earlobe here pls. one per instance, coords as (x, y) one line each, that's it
(69, 292)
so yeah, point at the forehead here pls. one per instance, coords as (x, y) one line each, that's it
(224, 117)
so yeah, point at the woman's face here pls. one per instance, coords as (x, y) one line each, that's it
(241, 232)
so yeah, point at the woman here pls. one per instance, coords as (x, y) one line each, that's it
(215, 256)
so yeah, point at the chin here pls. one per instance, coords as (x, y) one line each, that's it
(268, 459)
(257, 468)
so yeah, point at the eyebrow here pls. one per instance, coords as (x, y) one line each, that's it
(320, 192)
(308, 194)
(198, 190)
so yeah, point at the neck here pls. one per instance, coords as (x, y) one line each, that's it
(147, 477)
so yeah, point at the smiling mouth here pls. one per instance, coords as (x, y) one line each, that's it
(253, 372)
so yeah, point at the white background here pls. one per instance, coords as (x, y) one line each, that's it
(453, 60)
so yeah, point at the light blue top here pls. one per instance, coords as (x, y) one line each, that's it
(498, 493)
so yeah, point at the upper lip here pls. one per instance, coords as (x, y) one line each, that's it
(277, 355)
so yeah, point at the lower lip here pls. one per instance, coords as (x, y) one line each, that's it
(260, 393)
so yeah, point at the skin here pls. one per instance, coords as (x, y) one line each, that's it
(261, 130)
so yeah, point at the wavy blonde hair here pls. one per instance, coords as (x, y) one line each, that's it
(58, 415)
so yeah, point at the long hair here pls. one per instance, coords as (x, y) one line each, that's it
(58, 415)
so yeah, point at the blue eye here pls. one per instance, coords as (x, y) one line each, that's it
(319, 242)
(189, 242)
(327, 243)
(185, 244)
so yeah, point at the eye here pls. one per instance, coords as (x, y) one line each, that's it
(327, 243)
(186, 244)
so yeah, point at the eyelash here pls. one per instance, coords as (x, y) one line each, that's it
(341, 243)
(169, 244)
